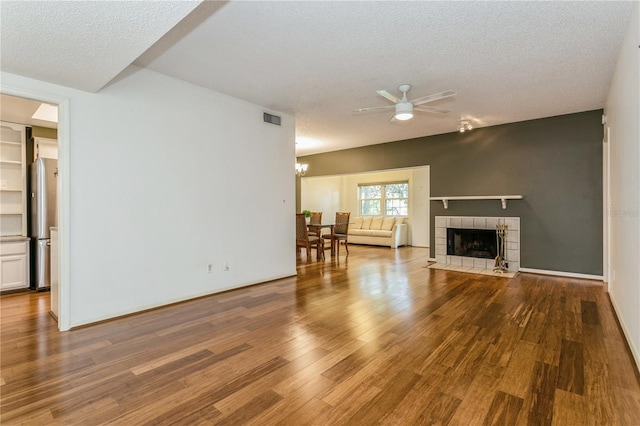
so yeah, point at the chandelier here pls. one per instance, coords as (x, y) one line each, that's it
(301, 169)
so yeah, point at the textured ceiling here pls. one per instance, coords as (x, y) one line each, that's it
(508, 61)
(319, 61)
(81, 44)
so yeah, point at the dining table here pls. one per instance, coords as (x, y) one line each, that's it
(317, 228)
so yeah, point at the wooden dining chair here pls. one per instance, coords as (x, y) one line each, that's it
(304, 240)
(316, 218)
(340, 231)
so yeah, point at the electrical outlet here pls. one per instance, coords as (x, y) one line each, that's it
(225, 266)
(209, 268)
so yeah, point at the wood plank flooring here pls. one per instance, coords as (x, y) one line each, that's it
(372, 338)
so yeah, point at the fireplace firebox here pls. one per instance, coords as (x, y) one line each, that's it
(472, 243)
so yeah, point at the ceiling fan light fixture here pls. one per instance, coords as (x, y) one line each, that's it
(404, 116)
(404, 111)
(404, 107)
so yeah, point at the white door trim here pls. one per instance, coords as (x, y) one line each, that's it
(64, 268)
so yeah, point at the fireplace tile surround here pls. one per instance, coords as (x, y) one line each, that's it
(477, 222)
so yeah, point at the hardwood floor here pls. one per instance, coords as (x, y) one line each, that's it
(372, 338)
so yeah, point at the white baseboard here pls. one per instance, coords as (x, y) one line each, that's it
(432, 259)
(625, 331)
(185, 298)
(562, 274)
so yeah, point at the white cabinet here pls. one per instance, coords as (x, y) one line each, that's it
(14, 265)
(13, 180)
(45, 148)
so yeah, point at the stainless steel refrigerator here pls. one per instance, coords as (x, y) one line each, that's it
(43, 185)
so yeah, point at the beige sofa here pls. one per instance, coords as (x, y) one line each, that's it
(378, 230)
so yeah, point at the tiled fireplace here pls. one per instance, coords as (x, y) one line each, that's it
(512, 239)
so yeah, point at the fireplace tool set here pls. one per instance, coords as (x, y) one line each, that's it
(501, 260)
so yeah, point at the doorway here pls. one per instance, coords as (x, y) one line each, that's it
(43, 132)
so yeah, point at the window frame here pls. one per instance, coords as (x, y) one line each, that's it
(383, 198)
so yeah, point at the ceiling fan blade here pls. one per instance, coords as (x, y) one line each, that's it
(388, 95)
(374, 108)
(393, 118)
(431, 109)
(434, 97)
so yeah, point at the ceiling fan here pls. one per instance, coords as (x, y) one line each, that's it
(404, 108)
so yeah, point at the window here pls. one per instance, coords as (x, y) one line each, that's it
(388, 199)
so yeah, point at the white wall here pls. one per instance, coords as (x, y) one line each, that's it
(330, 194)
(324, 194)
(622, 111)
(166, 177)
(419, 209)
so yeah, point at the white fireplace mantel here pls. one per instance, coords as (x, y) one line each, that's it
(502, 198)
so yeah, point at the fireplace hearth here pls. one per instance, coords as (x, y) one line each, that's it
(481, 252)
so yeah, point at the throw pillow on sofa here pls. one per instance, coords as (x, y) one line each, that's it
(387, 223)
(376, 223)
(357, 223)
(366, 222)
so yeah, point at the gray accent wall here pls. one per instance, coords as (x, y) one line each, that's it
(555, 163)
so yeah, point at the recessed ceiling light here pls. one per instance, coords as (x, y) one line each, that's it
(46, 112)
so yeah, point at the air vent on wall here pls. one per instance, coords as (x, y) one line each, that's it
(270, 118)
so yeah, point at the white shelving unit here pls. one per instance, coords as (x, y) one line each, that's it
(14, 245)
(13, 181)
(503, 199)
